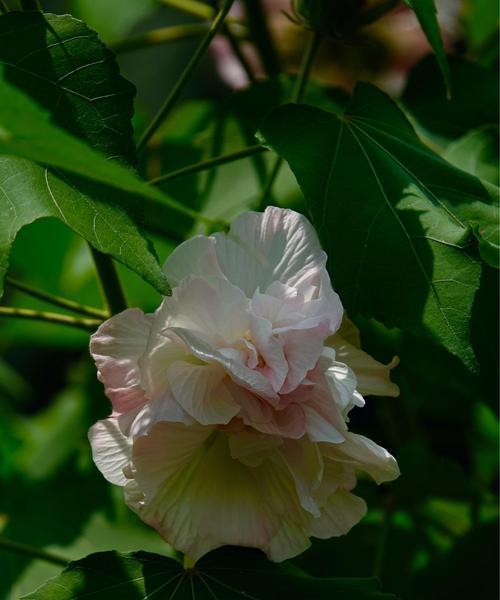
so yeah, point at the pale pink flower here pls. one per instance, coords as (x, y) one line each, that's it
(230, 402)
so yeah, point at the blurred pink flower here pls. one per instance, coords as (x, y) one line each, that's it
(231, 401)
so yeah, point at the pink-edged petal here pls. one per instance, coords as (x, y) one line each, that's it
(111, 450)
(201, 392)
(117, 347)
(239, 373)
(163, 408)
(195, 256)
(277, 245)
(302, 349)
(270, 348)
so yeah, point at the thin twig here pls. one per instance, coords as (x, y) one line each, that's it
(167, 106)
(191, 7)
(57, 300)
(208, 164)
(49, 317)
(162, 35)
(28, 550)
(296, 96)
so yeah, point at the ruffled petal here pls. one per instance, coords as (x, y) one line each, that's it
(277, 245)
(111, 450)
(365, 455)
(195, 256)
(248, 378)
(213, 308)
(201, 392)
(341, 512)
(374, 378)
(196, 494)
(117, 346)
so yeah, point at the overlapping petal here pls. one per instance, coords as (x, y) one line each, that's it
(231, 401)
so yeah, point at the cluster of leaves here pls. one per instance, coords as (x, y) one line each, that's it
(403, 195)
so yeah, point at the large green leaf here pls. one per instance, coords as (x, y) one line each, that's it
(63, 65)
(225, 574)
(427, 17)
(394, 217)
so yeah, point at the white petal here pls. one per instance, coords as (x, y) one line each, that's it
(303, 460)
(366, 455)
(342, 511)
(195, 494)
(213, 308)
(374, 378)
(200, 390)
(111, 450)
(248, 378)
(303, 349)
(251, 447)
(277, 245)
(195, 256)
(117, 346)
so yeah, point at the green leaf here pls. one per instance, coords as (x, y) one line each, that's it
(394, 217)
(474, 102)
(63, 65)
(427, 17)
(477, 153)
(224, 574)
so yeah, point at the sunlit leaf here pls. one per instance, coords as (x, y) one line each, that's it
(393, 216)
(64, 66)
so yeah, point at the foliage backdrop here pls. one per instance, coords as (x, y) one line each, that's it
(402, 192)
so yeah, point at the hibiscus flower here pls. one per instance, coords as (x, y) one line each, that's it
(231, 401)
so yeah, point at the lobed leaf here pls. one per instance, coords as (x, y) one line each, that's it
(394, 217)
(225, 574)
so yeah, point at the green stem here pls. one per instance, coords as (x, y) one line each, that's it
(209, 164)
(191, 7)
(110, 283)
(262, 36)
(40, 315)
(57, 300)
(167, 106)
(297, 95)
(27, 550)
(3, 7)
(163, 35)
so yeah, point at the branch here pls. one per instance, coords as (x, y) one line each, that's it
(208, 164)
(27, 550)
(167, 106)
(110, 283)
(57, 300)
(39, 315)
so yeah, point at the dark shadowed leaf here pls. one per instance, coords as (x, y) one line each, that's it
(394, 217)
(62, 64)
(474, 102)
(225, 574)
